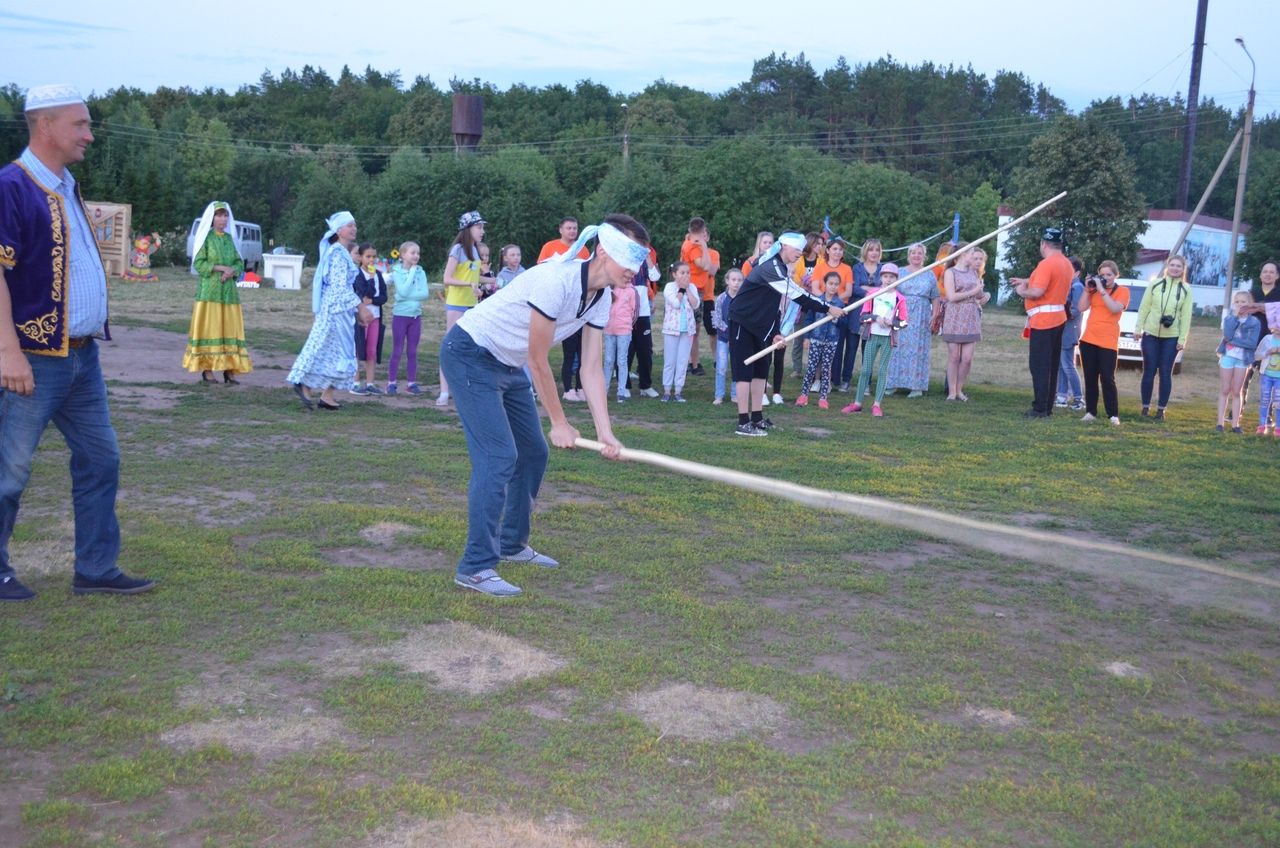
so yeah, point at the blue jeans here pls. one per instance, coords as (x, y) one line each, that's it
(507, 447)
(1068, 376)
(1158, 355)
(69, 392)
(722, 368)
(615, 359)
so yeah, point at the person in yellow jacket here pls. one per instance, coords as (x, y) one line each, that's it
(1164, 321)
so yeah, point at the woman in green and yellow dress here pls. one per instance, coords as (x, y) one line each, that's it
(216, 340)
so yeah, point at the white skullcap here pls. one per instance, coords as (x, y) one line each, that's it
(49, 96)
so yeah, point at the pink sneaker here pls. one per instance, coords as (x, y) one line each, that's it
(853, 407)
(822, 404)
(1262, 430)
(876, 411)
(802, 400)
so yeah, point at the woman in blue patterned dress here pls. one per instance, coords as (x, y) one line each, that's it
(909, 365)
(328, 359)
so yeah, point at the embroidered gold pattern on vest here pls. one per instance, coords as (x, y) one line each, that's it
(8, 258)
(59, 247)
(40, 329)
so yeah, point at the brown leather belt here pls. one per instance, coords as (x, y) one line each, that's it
(78, 342)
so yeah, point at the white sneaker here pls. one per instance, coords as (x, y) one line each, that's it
(624, 393)
(1115, 419)
(487, 582)
(777, 398)
(1088, 416)
(443, 400)
(649, 392)
(764, 401)
(529, 555)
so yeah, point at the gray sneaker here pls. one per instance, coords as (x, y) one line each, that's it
(750, 429)
(529, 555)
(487, 582)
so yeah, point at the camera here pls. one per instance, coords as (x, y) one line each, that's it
(1166, 321)
(1094, 283)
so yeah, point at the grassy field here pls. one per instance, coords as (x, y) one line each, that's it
(707, 668)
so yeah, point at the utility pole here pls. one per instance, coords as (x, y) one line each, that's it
(626, 135)
(1193, 104)
(1240, 185)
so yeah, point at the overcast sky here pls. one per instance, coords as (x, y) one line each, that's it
(1080, 50)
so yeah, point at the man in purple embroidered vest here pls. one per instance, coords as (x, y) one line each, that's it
(53, 306)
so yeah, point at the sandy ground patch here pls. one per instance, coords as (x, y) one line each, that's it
(460, 657)
(465, 830)
(262, 736)
(146, 397)
(385, 532)
(991, 717)
(401, 558)
(702, 714)
(1119, 668)
(51, 557)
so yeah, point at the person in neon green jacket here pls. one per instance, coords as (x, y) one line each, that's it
(1164, 321)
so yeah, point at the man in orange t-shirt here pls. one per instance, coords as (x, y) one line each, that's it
(568, 235)
(704, 262)
(1045, 295)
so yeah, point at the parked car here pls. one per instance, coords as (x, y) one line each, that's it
(248, 240)
(1130, 350)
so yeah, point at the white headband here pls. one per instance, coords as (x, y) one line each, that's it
(620, 247)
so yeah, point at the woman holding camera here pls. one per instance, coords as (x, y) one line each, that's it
(1164, 320)
(1104, 300)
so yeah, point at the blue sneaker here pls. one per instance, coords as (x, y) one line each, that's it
(391, 389)
(359, 389)
(371, 389)
(487, 582)
(413, 389)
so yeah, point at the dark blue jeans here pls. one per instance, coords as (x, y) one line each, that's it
(1158, 355)
(508, 449)
(69, 392)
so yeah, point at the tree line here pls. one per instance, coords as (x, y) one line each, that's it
(885, 149)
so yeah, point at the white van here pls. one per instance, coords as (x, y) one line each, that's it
(1130, 350)
(248, 241)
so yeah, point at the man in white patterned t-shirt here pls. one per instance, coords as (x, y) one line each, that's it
(484, 357)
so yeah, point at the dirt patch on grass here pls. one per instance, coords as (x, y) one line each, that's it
(460, 657)
(466, 830)
(707, 715)
(1120, 668)
(262, 736)
(46, 557)
(385, 532)
(919, 552)
(992, 717)
(402, 558)
(820, 432)
(146, 397)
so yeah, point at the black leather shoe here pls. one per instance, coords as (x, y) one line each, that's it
(121, 584)
(12, 590)
(302, 396)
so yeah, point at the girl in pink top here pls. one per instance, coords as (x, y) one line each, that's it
(617, 336)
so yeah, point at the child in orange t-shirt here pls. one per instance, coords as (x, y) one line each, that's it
(703, 263)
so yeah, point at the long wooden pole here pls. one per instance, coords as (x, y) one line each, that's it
(970, 246)
(1033, 545)
(1204, 198)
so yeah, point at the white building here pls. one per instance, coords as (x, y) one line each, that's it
(1205, 248)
